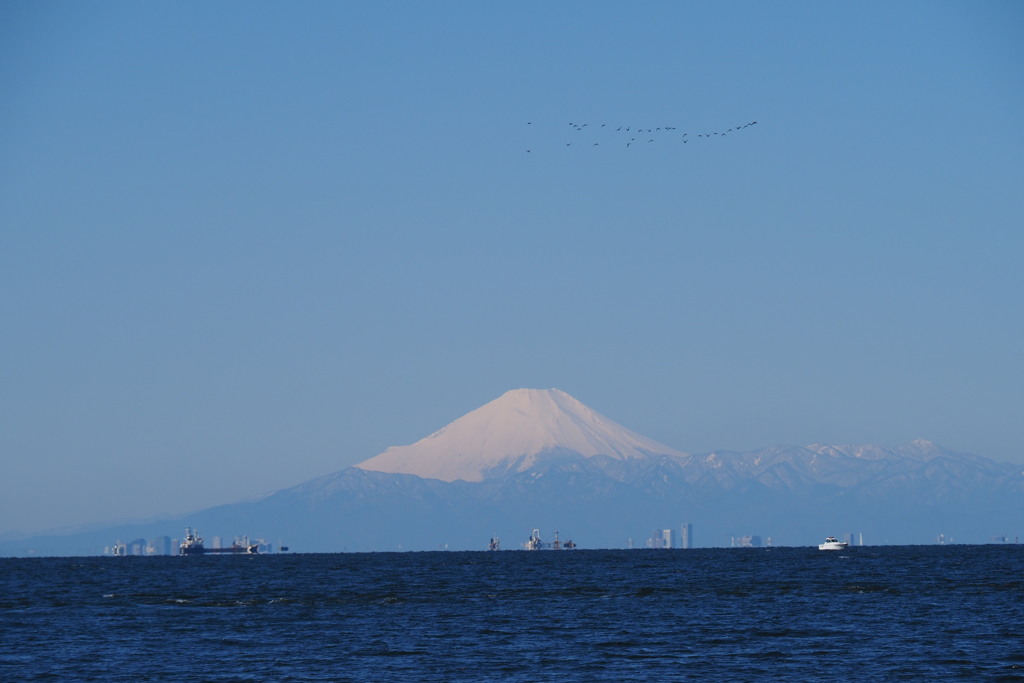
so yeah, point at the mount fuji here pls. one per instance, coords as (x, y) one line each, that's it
(542, 459)
(514, 433)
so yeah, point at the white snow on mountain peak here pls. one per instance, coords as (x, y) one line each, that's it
(514, 431)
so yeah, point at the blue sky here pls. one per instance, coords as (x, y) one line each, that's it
(243, 244)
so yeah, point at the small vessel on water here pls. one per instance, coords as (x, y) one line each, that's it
(833, 543)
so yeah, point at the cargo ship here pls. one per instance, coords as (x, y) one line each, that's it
(534, 543)
(193, 545)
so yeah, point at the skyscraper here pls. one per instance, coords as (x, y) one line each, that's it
(686, 536)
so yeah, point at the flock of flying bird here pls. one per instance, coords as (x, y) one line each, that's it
(631, 135)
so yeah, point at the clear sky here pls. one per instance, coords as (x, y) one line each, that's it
(243, 244)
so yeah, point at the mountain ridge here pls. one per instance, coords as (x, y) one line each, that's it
(532, 474)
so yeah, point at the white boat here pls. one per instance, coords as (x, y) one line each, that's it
(833, 543)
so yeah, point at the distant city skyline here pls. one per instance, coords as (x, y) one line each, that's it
(248, 244)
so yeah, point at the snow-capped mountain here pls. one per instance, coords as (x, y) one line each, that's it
(541, 459)
(513, 433)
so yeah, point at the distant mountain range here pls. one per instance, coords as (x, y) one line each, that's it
(541, 459)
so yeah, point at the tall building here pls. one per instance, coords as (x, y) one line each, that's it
(161, 545)
(686, 536)
(666, 539)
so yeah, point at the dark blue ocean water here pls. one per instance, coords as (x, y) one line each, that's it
(796, 614)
